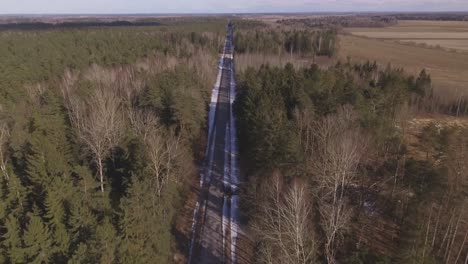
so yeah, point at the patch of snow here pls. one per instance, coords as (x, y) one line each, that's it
(234, 169)
(192, 242)
(234, 226)
(233, 134)
(213, 103)
(369, 206)
(226, 173)
(225, 221)
(209, 170)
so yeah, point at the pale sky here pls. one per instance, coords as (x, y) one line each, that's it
(220, 6)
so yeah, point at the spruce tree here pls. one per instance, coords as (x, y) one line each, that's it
(38, 247)
(12, 241)
(107, 242)
(55, 213)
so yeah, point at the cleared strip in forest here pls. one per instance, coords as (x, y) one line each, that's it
(215, 230)
(206, 174)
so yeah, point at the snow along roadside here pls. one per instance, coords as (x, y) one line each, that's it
(226, 185)
(206, 174)
(234, 175)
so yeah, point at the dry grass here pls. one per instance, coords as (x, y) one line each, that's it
(449, 71)
(444, 34)
(255, 60)
(414, 45)
(454, 45)
(411, 35)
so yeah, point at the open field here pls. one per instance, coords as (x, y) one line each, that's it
(449, 71)
(256, 60)
(446, 34)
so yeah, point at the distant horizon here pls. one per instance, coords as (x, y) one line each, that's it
(194, 7)
(232, 13)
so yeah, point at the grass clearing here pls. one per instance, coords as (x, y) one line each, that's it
(449, 70)
(444, 34)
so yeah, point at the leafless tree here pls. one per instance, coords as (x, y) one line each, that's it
(161, 147)
(129, 87)
(338, 148)
(401, 120)
(295, 215)
(283, 224)
(97, 119)
(4, 137)
(35, 92)
(457, 161)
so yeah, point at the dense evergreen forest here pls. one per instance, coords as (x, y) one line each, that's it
(331, 174)
(99, 129)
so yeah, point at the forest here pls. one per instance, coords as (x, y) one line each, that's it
(99, 131)
(103, 133)
(332, 176)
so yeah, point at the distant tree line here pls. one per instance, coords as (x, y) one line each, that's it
(301, 42)
(42, 25)
(41, 56)
(449, 16)
(342, 21)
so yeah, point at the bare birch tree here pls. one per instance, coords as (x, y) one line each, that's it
(4, 137)
(97, 120)
(284, 223)
(129, 88)
(457, 162)
(338, 149)
(161, 147)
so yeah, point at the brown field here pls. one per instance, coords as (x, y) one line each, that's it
(255, 60)
(449, 70)
(444, 34)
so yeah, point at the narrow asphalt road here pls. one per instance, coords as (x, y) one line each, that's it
(210, 242)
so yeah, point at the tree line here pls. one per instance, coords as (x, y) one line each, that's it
(302, 42)
(341, 21)
(30, 57)
(99, 131)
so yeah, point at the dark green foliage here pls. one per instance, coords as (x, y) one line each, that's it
(51, 207)
(174, 95)
(37, 241)
(140, 212)
(12, 245)
(278, 109)
(44, 55)
(263, 105)
(271, 99)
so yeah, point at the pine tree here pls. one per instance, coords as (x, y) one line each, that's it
(142, 240)
(55, 213)
(82, 255)
(107, 242)
(135, 225)
(37, 239)
(12, 241)
(46, 161)
(81, 220)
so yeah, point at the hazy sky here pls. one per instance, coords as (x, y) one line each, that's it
(219, 6)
